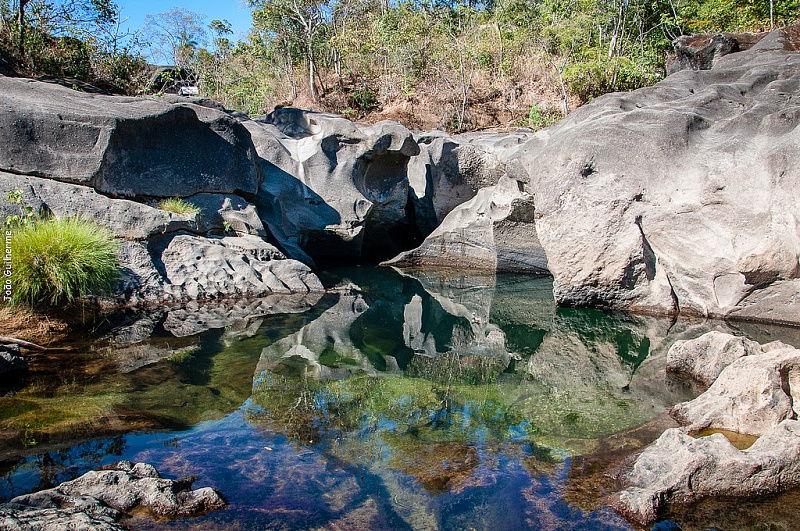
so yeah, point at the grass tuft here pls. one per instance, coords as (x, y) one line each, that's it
(55, 261)
(177, 205)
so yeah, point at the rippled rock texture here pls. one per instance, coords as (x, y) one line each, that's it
(97, 500)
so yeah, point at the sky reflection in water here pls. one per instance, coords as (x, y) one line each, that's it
(425, 401)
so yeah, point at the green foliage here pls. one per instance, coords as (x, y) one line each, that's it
(25, 210)
(540, 118)
(55, 261)
(589, 79)
(176, 205)
(363, 99)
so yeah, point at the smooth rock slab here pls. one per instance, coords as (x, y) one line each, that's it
(678, 468)
(123, 146)
(98, 499)
(707, 356)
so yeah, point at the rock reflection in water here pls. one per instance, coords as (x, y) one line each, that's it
(414, 400)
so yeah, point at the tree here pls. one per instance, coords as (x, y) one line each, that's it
(301, 21)
(62, 17)
(174, 36)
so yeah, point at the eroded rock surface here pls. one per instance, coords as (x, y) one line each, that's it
(639, 196)
(123, 146)
(334, 190)
(752, 395)
(678, 468)
(755, 394)
(98, 499)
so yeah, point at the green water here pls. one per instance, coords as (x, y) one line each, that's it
(420, 401)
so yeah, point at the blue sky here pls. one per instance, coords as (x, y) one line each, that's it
(233, 10)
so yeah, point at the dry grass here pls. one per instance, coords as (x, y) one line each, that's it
(32, 326)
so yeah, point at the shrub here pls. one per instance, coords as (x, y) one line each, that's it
(176, 205)
(55, 260)
(590, 79)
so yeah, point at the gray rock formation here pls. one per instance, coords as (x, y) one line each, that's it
(753, 395)
(450, 170)
(639, 196)
(98, 499)
(678, 468)
(76, 154)
(183, 267)
(123, 146)
(333, 190)
(492, 231)
(707, 356)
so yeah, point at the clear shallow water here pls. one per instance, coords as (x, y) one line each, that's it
(424, 401)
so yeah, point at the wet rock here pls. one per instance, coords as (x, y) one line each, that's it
(678, 468)
(98, 499)
(752, 395)
(196, 317)
(639, 195)
(12, 364)
(706, 357)
(333, 190)
(123, 146)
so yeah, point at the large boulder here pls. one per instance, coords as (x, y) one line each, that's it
(184, 267)
(679, 468)
(483, 217)
(752, 395)
(705, 357)
(332, 189)
(450, 170)
(681, 197)
(494, 230)
(123, 146)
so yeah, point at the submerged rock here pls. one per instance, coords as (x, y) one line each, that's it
(12, 364)
(678, 468)
(98, 499)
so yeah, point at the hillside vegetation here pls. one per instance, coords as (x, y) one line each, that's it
(453, 64)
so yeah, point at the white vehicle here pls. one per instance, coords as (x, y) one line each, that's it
(188, 90)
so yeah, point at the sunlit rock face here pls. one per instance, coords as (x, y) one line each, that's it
(474, 212)
(123, 147)
(111, 159)
(681, 197)
(754, 394)
(334, 190)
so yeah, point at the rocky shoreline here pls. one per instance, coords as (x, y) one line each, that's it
(678, 199)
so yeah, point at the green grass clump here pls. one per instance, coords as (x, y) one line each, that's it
(55, 260)
(177, 205)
